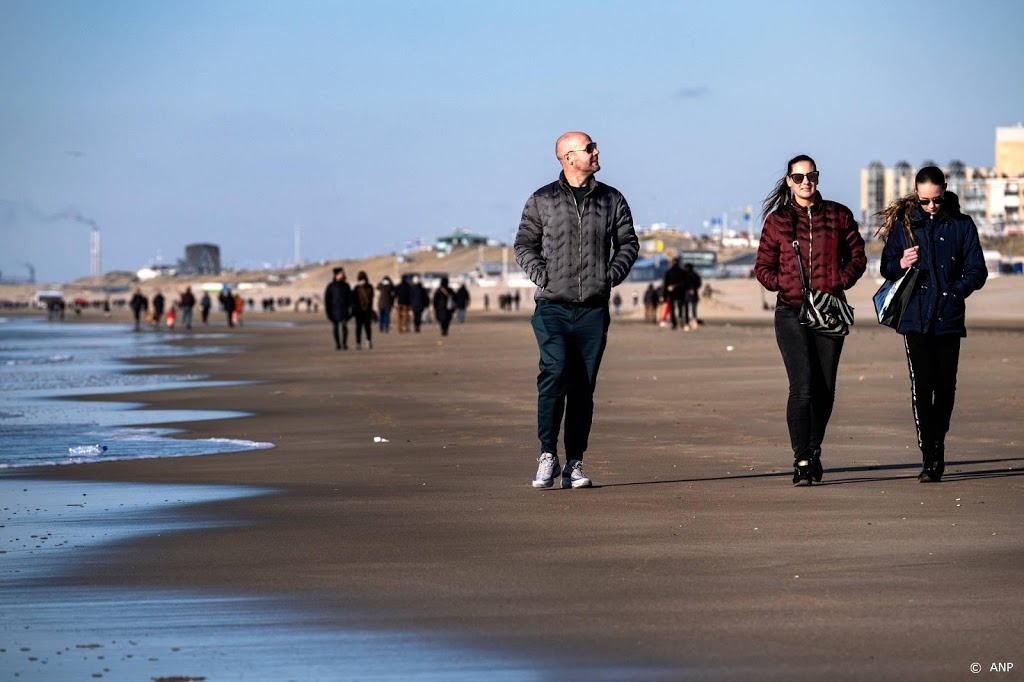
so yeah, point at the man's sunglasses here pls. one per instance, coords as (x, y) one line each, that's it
(925, 202)
(798, 178)
(588, 149)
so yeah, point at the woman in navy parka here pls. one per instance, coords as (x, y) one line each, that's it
(947, 250)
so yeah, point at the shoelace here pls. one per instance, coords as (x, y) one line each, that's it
(546, 467)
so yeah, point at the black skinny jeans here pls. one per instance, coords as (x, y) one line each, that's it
(933, 363)
(677, 305)
(572, 339)
(812, 362)
(364, 322)
(342, 340)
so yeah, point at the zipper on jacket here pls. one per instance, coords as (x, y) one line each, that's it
(579, 216)
(810, 248)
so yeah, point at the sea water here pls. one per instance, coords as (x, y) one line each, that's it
(53, 534)
(45, 365)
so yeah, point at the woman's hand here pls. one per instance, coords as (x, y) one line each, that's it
(909, 257)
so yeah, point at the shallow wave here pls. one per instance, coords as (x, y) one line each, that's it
(51, 360)
(246, 444)
(229, 445)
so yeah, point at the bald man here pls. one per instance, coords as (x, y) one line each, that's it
(575, 242)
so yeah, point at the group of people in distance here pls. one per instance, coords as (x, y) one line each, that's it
(576, 241)
(183, 307)
(681, 288)
(409, 300)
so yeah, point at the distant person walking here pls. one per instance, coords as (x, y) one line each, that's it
(461, 303)
(673, 283)
(575, 242)
(651, 300)
(444, 305)
(403, 298)
(419, 300)
(362, 310)
(338, 307)
(927, 230)
(158, 308)
(691, 294)
(385, 302)
(205, 303)
(187, 300)
(139, 305)
(796, 211)
(227, 302)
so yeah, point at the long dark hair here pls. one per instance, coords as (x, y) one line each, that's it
(779, 196)
(903, 207)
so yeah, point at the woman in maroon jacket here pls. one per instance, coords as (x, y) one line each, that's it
(832, 251)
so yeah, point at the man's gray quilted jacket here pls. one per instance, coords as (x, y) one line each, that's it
(573, 258)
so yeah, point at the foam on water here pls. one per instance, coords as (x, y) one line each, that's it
(44, 365)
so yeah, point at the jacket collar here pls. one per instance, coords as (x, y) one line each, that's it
(919, 217)
(815, 207)
(591, 185)
(949, 209)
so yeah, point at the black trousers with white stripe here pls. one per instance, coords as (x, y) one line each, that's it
(933, 362)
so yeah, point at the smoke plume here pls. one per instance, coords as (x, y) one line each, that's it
(11, 211)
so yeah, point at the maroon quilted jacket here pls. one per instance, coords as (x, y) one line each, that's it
(831, 249)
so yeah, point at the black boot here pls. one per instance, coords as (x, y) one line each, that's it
(816, 470)
(927, 474)
(802, 470)
(938, 462)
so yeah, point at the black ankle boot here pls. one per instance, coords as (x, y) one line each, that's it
(931, 472)
(802, 470)
(816, 469)
(938, 462)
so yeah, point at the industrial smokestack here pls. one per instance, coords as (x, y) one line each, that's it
(94, 252)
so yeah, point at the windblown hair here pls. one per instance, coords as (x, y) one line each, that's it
(899, 209)
(903, 207)
(779, 196)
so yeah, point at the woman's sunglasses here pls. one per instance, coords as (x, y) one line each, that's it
(925, 202)
(798, 178)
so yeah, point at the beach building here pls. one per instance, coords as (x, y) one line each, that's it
(460, 237)
(201, 259)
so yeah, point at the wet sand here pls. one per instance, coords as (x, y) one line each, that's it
(693, 553)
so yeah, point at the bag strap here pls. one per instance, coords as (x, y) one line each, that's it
(800, 265)
(908, 234)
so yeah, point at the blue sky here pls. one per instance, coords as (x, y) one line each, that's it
(371, 123)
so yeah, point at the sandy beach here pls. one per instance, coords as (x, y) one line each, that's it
(692, 558)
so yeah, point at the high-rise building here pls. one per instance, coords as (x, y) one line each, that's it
(1010, 151)
(879, 186)
(993, 197)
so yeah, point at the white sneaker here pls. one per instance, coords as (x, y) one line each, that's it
(573, 476)
(546, 471)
